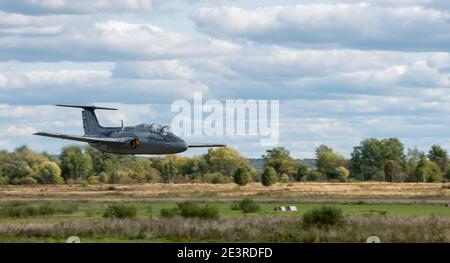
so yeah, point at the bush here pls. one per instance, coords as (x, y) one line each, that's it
(93, 180)
(208, 212)
(189, 209)
(68, 208)
(235, 206)
(248, 206)
(102, 177)
(242, 176)
(269, 176)
(120, 211)
(46, 209)
(16, 210)
(27, 180)
(220, 179)
(315, 175)
(48, 172)
(23, 210)
(170, 212)
(324, 216)
(342, 174)
(4, 180)
(285, 178)
(216, 178)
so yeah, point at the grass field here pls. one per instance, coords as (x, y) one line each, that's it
(146, 210)
(293, 191)
(395, 212)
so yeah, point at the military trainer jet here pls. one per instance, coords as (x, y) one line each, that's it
(139, 139)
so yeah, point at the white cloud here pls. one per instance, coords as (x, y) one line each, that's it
(161, 69)
(108, 41)
(75, 6)
(3, 80)
(435, 4)
(86, 86)
(439, 60)
(360, 25)
(20, 131)
(73, 77)
(18, 24)
(420, 73)
(279, 63)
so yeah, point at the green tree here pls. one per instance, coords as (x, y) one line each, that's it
(393, 172)
(75, 164)
(16, 170)
(225, 160)
(315, 175)
(446, 176)
(242, 176)
(412, 159)
(194, 168)
(141, 170)
(328, 161)
(342, 173)
(4, 180)
(269, 176)
(440, 157)
(366, 160)
(427, 171)
(393, 149)
(100, 161)
(115, 176)
(279, 158)
(370, 157)
(433, 173)
(49, 173)
(19, 166)
(112, 168)
(28, 156)
(302, 171)
(169, 169)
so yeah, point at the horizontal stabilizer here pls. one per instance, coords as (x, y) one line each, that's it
(89, 107)
(201, 145)
(87, 139)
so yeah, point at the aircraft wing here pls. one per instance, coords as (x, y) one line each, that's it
(85, 138)
(200, 145)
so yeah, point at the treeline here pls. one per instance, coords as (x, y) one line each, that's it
(372, 160)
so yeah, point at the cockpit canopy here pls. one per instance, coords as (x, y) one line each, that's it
(154, 128)
(165, 130)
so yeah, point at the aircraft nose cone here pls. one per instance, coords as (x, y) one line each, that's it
(182, 146)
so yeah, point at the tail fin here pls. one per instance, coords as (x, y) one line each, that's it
(90, 121)
(85, 107)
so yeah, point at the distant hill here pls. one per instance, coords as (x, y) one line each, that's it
(258, 163)
(311, 163)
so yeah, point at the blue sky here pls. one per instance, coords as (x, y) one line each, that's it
(342, 70)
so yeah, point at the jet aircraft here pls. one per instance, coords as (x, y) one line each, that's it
(140, 139)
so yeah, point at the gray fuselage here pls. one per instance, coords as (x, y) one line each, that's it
(148, 143)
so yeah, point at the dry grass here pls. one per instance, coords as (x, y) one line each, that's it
(373, 190)
(242, 229)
